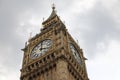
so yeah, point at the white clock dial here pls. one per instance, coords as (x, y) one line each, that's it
(41, 48)
(75, 53)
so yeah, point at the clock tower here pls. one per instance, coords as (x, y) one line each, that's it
(53, 54)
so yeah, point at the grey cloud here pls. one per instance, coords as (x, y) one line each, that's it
(96, 26)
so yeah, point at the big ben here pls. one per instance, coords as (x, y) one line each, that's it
(53, 54)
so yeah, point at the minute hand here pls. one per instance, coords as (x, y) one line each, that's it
(44, 48)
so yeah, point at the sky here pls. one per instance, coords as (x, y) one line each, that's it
(95, 24)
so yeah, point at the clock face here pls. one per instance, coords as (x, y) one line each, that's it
(75, 53)
(41, 48)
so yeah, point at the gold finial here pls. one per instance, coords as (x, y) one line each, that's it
(53, 6)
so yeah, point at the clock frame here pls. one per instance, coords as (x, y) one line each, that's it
(41, 48)
(75, 52)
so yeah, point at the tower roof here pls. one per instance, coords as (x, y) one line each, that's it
(53, 14)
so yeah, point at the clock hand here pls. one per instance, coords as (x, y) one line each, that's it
(43, 48)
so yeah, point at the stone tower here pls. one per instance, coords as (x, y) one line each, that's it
(53, 54)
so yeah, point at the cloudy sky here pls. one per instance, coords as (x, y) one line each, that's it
(94, 23)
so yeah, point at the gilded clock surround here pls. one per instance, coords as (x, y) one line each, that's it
(58, 63)
(41, 48)
(75, 53)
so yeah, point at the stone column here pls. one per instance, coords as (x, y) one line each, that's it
(62, 71)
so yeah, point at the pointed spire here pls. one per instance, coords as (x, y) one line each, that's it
(53, 14)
